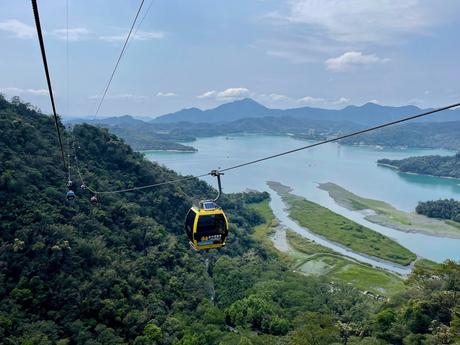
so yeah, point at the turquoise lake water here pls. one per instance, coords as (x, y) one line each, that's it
(353, 168)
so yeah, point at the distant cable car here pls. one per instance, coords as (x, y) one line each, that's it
(206, 225)
(70, 195)
(93, 200)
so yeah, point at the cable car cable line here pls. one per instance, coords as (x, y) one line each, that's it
(48, 79)
(220, 171)
(151, 185)
(366, 130)
(67, 67)
(140, 23)
(118, 60)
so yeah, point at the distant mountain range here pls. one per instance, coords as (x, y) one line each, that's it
(367, 114)
(247, 116)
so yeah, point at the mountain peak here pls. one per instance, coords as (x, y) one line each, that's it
(245, 102)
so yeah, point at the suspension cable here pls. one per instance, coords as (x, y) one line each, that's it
(69, 178)
(151, 185)
(118, 60)
(67, 58)
(77, 167)
(370, 129)
(213, 172)
(48, 79)
(133, 36)
(67, 67)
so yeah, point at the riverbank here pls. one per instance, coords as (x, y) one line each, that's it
(394, 167)
(386, 215)
(339, 268)
(341, 230)
(310, 258)
(168, 150)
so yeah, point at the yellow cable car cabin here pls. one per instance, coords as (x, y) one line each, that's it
(206, 226)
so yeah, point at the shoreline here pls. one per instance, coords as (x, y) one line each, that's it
(176, 151)
(382, 214)
(373, 261)
(394, 167)
(411, 231)
(408, 267)
(314, 258)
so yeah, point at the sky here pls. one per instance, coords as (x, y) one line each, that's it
(202, 53)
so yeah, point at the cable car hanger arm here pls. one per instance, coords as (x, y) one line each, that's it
(217, 174)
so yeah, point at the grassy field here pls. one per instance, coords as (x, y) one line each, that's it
(305, 245)
(366, 278)
(323, 261)
(452, 223)
(310, 258)
(426, 264)
(387, 215)
(344, 231)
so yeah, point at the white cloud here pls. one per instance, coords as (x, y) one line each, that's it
(341, 100)
(18, 29)
(139, 36)
(375, 101)
(166, 94)
(311, 100)
(381, 21)
(233, 93)
(322, 102)
(207, 94)
(15, 91)
(274, 99)
(347, 60)
(38, 92)
(229, 94)
(119, 96)
(278, 97)
(149, 35)
(75, 34)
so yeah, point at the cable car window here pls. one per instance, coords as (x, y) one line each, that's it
(214, 223)
(189, 221)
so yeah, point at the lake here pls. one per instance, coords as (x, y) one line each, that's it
(351, 167)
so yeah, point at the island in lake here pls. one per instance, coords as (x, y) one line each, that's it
(441, 166)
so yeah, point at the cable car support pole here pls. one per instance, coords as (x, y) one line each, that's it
(217, 174)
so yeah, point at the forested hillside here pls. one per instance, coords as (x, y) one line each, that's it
(140, 135)
(414, 134)
(444, 209)
(121, 272)
(444, 166)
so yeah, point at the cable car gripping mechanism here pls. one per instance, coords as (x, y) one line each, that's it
(217, 174)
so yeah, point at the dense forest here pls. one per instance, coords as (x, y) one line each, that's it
(444, 166)
(414, 134)
(140, 135)
(121, 272)
(444, 209)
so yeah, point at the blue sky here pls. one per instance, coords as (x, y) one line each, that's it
(322, 53)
